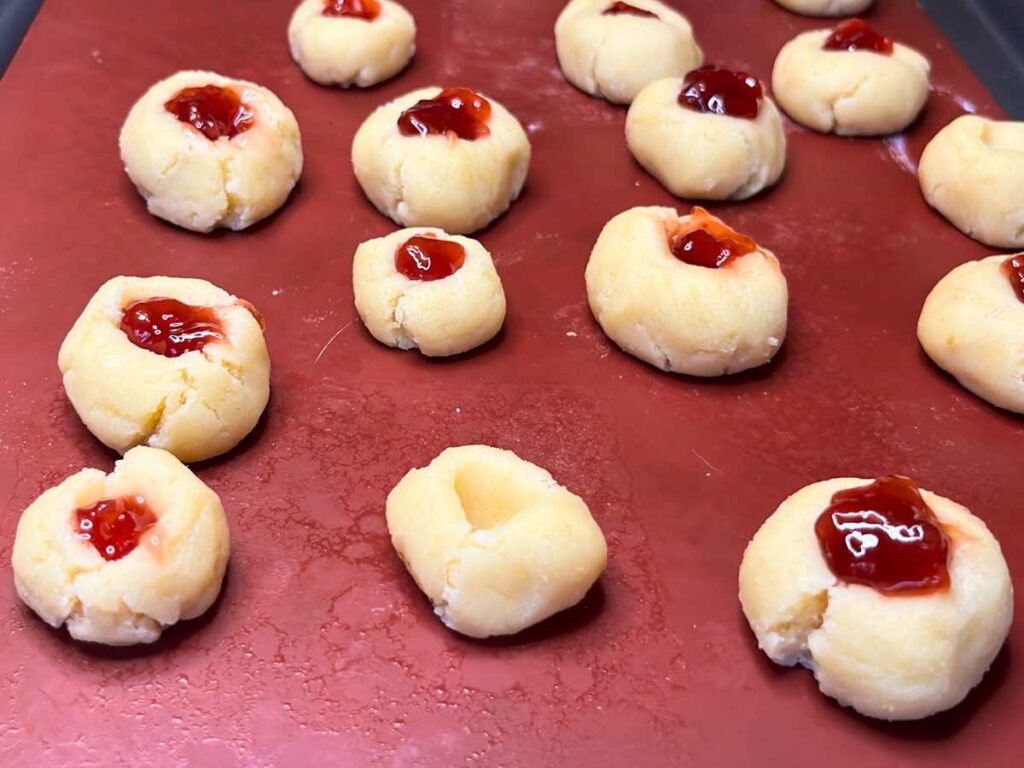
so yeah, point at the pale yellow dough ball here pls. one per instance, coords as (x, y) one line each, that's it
(826, 7)
(972, 173)
(202, 184)
(494, 542)
(347, 50)
(889, 657)
(614, 55)
(174, 573)
(197, 405)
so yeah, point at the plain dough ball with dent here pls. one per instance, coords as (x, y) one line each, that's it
(174, 573)
(681, 317)
(826, 7)
(493, 540)
(614, 56)
(440, 181)
(438, 317)
(972, 326)
(200, 184)
(703, 156)
(972, 173)
(198, 405)
(851, 93)
(894, 658)
(340, 50)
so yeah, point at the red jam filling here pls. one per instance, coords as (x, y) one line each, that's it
(1013, 268)
(708, 242)
(170, 327)
(858, 35)
(456, 111)
(620, 8)
(883, 535)
(212, 110)
(722, 91)
(429, 258)
(359, 9)
(114, 526)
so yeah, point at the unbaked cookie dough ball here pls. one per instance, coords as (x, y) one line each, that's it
(972, 173)
(351, 42)
(169, 362)
(613, 49)
(118, 558)
(713, 135)
(425, 289)
(972, 326)
(897, 599)
(494, 542)
(207, 151)
(687, 293)
(449, 158)
(826, 7)
(850, 80)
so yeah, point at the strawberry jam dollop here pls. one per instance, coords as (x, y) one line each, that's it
(356, 9)
(858, 35)
(458, 112)
(721, 91)
(883, 535)
(170, 327)
(114, 526)
(1013, 268)
(212, 110)
(619, 9)
(709, 242)
(429, 258)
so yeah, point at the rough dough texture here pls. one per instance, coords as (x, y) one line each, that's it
(826, 7)
(614, 56)
(200, 184)
(494, 542)
(681, 317)
(972, 173)
(198, 405)
(972, 326)
(702, 156)
(174, 573)
(895, 658)
(851, 93)
(437, 317)
(344, 50)
(439, 181)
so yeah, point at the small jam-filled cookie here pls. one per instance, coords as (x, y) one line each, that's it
(851, 80)
(687, 294)
(613, 49)
(168, 362)
(494, 542)
(351, 42)
(972, 173)
(425, 289)
(118, 558)
(449, 158)
(713, 135)
(206, 151)
(896, 598)
(826, 7)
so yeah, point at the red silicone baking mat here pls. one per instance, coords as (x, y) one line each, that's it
(321, 650)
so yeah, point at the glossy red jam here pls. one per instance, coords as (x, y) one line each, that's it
(114, 526)
(457, 111)
(428, 258)
(359, 9)
(722, 91)
(885, 536)
(1013, 268)
(620, 8)
(707, 242)
(170, 327)
(212, 110)
(858, 35)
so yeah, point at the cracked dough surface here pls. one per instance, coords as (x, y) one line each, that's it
(681, 317)
(972, 173)
(494, 542)
(174, 573)
(851, 93)
(437, 317)
(614, 56)
(347, 50)
(702, 156)
(440, 181)
(972, 326)
(196, 406)
(826, 7)
(201, 184)
(894, 658)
